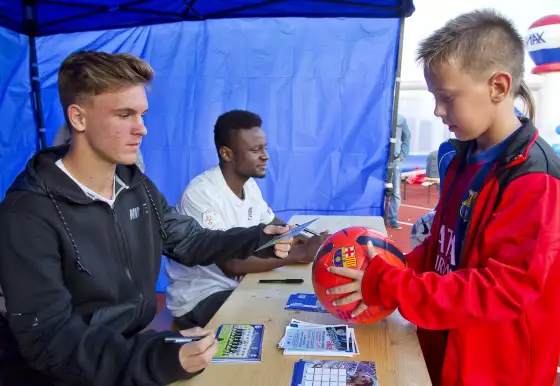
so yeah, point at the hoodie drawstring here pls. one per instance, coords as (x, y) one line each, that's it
(79, 264)
(161, 230)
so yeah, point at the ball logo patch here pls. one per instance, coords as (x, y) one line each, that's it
(345, 257)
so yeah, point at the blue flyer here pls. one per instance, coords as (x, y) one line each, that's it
(304, 302)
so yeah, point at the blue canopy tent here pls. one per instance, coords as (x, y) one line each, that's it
(323, 74)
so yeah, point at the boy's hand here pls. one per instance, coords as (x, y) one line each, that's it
(196, 356)
(354, 289)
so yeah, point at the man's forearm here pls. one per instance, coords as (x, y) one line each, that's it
(253, 264)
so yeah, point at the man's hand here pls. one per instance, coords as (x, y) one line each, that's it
(354, 289)
(196, 356)
(282, 249)
(305, 252)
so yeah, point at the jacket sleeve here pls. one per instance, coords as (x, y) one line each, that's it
(415, 258)
(522, 242)
(186, 242)
(51, 337)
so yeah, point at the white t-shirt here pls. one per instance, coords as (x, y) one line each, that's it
(118, 186)
(211, 202)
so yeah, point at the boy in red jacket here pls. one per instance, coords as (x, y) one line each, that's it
(484, 288)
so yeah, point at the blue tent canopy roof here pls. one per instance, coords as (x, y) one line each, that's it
(64, 16)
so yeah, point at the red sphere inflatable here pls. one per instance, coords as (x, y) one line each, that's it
(348, 248)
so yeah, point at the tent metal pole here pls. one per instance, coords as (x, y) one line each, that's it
(30, 28)
(396, 94)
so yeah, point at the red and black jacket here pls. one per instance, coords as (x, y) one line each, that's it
(493, 320)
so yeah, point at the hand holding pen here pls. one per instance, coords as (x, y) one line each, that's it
(197, 353)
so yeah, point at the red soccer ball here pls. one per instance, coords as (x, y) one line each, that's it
(348, 248)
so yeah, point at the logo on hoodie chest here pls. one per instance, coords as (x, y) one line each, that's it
(134, 213)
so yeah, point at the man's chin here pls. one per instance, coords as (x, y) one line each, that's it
(128, 161)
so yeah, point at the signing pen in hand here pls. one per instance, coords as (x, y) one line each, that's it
(186, 339)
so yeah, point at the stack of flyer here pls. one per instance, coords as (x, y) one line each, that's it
(302, 338)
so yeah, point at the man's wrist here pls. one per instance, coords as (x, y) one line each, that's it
(166, 364)
(298, 253)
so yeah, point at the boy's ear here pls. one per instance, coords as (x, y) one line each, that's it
(77, 117)
(500, 86)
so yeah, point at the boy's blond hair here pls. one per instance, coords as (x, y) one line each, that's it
(480, 41)
(88, 73)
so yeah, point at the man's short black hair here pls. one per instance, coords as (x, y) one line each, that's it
(231, 121)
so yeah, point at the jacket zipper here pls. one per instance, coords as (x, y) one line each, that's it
(126, 258)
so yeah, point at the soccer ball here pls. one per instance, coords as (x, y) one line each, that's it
(348, 248)
(421, 229)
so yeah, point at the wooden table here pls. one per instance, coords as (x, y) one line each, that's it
(392, 344)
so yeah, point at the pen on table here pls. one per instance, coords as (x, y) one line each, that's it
(309, 231)
(282, 281)
(186, 339)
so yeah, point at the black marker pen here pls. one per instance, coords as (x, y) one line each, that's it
(282, 281)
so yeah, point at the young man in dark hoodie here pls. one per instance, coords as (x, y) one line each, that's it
(82, 230)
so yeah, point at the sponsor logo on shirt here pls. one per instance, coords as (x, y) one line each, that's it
(467, 205)
(446, 251)
(250, 213)
(209, 219)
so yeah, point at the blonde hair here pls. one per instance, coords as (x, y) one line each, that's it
(479, 41)
(88, 73)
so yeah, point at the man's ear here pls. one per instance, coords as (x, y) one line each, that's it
(77, 117)
(226, 154)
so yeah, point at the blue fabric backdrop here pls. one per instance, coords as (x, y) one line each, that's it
(82, 15)
(324, 88)
(18, 132)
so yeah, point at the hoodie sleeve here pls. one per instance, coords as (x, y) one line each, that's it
(51, 337)
(522, 243)
(186, 242)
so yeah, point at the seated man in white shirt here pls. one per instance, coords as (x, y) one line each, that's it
(224, 197)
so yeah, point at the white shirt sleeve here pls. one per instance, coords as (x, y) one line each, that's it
(199, 205)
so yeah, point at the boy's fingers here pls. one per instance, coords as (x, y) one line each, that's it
(346, 272)
(361, 308)
(344, 289)
(353, 297)
(372, 251)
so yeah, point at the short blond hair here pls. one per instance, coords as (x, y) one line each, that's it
(88, 73)
(479, 41)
